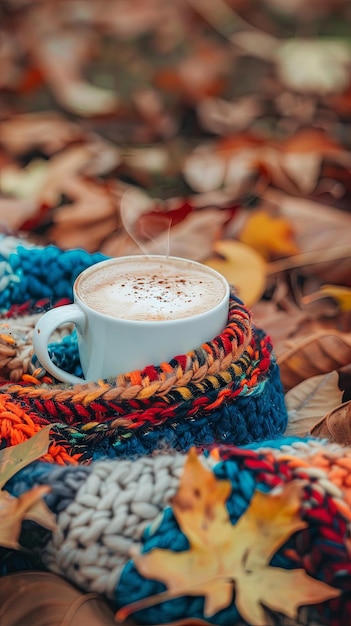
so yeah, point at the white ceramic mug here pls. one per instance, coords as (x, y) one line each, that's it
(135, 311)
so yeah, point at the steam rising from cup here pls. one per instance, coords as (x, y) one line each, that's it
(133, 205)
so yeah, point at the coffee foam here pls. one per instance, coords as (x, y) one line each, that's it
(151, 290)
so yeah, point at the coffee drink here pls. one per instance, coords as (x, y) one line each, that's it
(134, 311)
(151, 288)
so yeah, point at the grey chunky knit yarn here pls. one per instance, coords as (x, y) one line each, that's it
(107, 516)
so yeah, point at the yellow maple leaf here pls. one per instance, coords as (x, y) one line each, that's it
(223, 556)
(271, 236)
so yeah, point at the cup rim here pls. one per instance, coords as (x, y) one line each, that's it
(175, 321)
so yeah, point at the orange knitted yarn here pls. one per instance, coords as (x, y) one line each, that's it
(16, 426)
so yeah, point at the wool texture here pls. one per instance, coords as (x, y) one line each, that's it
(111, 506)
(118, 446)
(226, 391)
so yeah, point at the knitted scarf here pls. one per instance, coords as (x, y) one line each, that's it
(110, 508)
(225, 391)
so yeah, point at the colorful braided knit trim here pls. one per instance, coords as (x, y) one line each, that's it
(241, 404)
(107, 508)
(227, 390)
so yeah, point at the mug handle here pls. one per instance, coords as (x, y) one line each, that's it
(44, 328)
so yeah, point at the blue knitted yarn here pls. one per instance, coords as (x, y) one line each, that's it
(30, 272)
(241, 420)
(64, 481)
(278, 443)
(65, 354)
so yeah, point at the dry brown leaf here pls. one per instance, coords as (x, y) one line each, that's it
(292, 164)
(149, 229)
(315, 140)
(333, 262)
(319, 353)
(14, 212)
(10, 71)
(303, 152)
(295, 163)
(192, 238)
(80, 224)
(307, 65)
(316, 225)
(199, 75)
(35, 597)
(322, 234)
(91, 237)
(46, 181)
(65, 166)
(341, 296)
(47, 130)
(151, 158)
(304, 10)
(222, 117)
(24, 183)
(124, 18)
(336, 425)
(242, 266)
(204, 171)
(86, 195)
(297, 108)
(308, 401)
(60, 55)
(151, 108)
(341, 103)
(230, 161)
(280, 324)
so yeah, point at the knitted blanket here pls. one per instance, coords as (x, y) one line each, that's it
(225, 391)
(257, 535)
